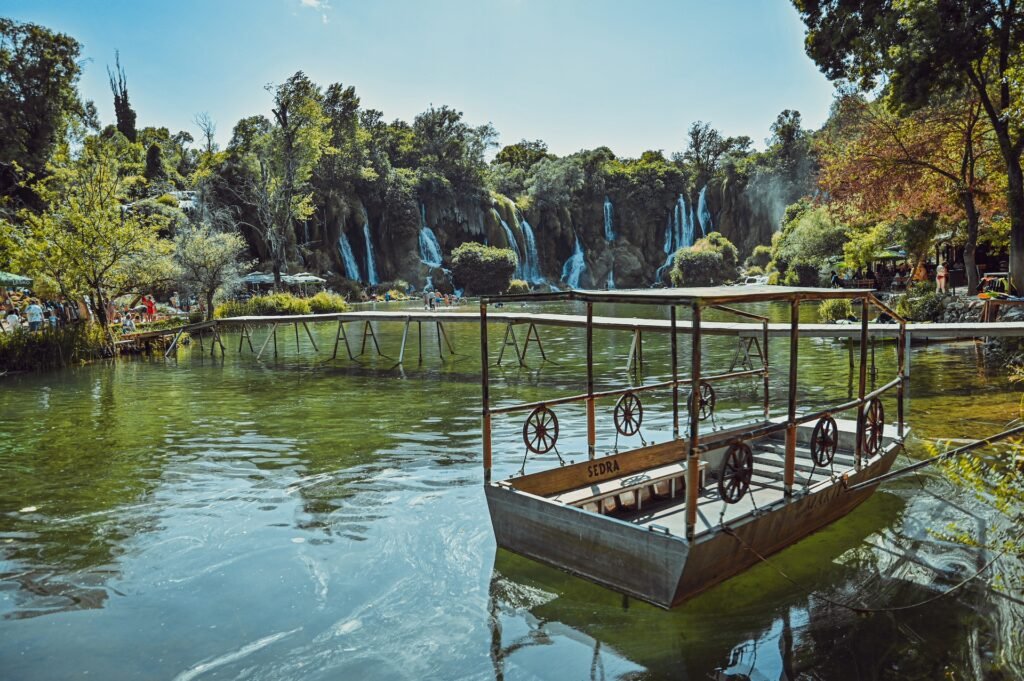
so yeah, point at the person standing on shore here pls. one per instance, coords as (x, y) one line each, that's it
(34, 315)
(941, 275)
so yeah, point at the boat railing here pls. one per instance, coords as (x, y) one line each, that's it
(768, 429)
(618, 392)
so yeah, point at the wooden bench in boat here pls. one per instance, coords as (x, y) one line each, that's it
(631, 490)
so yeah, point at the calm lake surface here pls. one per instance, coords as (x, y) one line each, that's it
(298, 518)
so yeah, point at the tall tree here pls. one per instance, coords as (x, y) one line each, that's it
(208, 128)
(208, 261)
(275, 162)
(38, 73)
(87, 240)
(122, 108)
(929, 161)
(926, 48)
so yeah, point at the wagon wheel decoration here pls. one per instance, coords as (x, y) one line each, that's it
(705, 401)
(874, 425)
(824, 440)
(737, 469)
(540, 432)
(629, 414)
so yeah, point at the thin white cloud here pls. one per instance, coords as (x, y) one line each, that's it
(321, 6)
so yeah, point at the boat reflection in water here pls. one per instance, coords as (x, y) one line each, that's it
(758, 625)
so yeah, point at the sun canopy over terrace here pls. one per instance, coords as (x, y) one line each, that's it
(709, 295)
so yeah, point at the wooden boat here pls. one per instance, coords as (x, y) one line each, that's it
(666, 521)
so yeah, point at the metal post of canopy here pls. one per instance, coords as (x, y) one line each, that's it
(902, 373)
(862, 385)
(675, 377)
(591, 416)
(693, 458)
(764, 362)
(789, 472)
(484, 379)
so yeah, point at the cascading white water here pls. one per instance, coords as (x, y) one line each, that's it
(348, 258)
(704, 213)
(575, 266)
(513, 244)
(609, 226)
(678, 233)
(430, 248)
(610, 283)
(531, 264)
(371, 265)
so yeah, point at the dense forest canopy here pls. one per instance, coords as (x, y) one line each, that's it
(324, 184)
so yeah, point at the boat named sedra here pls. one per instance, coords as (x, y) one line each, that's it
(665, 521)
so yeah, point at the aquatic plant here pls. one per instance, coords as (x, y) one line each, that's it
(325, 302)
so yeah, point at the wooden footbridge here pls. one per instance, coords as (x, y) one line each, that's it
(753, 337)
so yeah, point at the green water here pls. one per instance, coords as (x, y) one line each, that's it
(301, 518)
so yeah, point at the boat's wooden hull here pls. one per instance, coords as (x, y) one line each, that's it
(719, 556)
(656, 567)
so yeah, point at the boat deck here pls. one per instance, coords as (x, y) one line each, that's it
(766, 489)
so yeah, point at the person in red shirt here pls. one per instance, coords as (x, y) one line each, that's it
(150, 307)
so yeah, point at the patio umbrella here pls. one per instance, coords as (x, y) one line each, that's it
(8, 279)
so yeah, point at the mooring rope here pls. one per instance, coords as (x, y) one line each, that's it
(865, 610)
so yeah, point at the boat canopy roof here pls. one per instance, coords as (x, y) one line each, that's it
(709, 295)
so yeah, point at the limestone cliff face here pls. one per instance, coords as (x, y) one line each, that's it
(622, 237)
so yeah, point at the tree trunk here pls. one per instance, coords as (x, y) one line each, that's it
(1015, 208)
(209, 305)
(970, 264)
(277, 273)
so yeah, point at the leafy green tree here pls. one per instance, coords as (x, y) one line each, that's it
(483, 270)
(706, 149)
(208, 261)
(154, 163)
(554, 181)
(87, 240)
(809, 238)
(450, 150)
(122, 107)
(928, 48)
(523, 154)
(270, 166)
(39, 71)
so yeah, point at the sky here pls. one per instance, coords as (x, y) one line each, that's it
(577, 74)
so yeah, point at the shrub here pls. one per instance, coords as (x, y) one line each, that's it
(482, 269)
(52, 348)
(518, 286)
(754, 271)
(921, 303)
(801, 274)
(349, 290)
(760, 257)
(271, 304)
(835, 309)
(710, 261)
(696, 268)
(324, 303)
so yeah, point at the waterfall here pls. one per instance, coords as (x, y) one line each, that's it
(513, 244)
(575, 266)
(351, 266)
(430, 248)
(371, 265)
(609, 228)
(704, 213)
(678, 233)
(531, 264)
(610, 284)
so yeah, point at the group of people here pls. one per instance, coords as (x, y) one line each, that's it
(433, 300)
(894, 277)
(24, 312)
